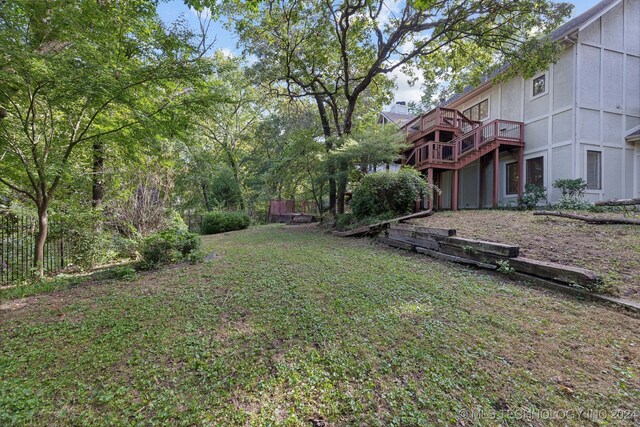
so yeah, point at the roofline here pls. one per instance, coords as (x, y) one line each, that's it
(470, 94)
(489, 82)
(630, 137)
(559, 38)
(598, 15)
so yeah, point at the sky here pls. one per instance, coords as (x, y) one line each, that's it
(227, 41)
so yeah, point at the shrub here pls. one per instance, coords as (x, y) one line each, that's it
(124, 247)
(533, 194)
(573, 204)
(220, 222)
(573, 188)
(174, 244)
(85, 243)
(382, 192)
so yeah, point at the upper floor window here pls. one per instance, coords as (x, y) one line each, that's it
(539, 85)
(478, 112)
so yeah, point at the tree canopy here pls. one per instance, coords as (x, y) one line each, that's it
(105, 108)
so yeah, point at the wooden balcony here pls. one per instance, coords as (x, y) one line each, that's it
(439, 119)
(466, 147)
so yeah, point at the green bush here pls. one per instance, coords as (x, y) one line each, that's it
(220, 222)
(571, 188)
(533, 194)
(174, 244)
(572, 194)
(86, 244)
(567, 203)
(388, 192)
(124, 247)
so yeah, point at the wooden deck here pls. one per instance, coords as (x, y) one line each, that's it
(467, 147)
(444, 139)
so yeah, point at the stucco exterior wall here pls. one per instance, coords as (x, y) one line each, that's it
(592, 99)
(608, 100)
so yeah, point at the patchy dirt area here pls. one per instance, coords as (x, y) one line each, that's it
(613, 251)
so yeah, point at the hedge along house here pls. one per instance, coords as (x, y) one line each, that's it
(579, 118)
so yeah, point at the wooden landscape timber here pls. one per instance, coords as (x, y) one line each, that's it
(444, 244)
(509, 251)
(301, 219)
(619, 202)
(591, 219)
(453, 258)
(376, 228)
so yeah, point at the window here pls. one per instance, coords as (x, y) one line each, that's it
(478, 112)
(594, 170)
(512, 178)
(539, 85)
(535, 171)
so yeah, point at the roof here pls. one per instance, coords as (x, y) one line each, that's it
(575, 24)
(633, 135)
(558, 34)
(398, 118)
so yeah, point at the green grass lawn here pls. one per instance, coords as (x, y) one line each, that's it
(292, 327)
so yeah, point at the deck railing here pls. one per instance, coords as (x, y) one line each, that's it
(451, 152)
(445, 117)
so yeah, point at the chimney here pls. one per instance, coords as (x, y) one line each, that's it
(400, 108)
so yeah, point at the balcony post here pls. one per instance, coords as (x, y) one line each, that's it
(520, 172)
(496, 160)
(481, 184)
(454, 191)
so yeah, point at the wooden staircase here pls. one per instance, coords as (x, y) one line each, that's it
(430, 151)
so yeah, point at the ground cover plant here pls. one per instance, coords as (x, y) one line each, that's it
(612, 251)
(291, 326)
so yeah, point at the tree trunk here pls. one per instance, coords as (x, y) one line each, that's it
(236, 175)
(326, 129)
(342, 188)
(98, 174)
(619, 202)
(41, 238)
(591, 219)
(207, 206)
(332, 193)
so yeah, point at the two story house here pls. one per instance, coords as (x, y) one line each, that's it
(579, 118)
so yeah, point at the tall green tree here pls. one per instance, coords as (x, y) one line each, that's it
(76, 73)
(230, 108)
(337, 53)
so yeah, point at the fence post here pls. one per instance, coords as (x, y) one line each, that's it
(62, 263)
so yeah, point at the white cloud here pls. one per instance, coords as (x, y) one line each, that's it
(226, 52)
(389, 9)
(405, 92)
(205, 13)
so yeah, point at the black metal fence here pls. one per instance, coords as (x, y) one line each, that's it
(17, 244)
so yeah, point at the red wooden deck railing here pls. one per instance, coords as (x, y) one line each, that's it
(469, 142)
(444, 117)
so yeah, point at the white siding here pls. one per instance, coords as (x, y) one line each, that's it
(592, 99)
